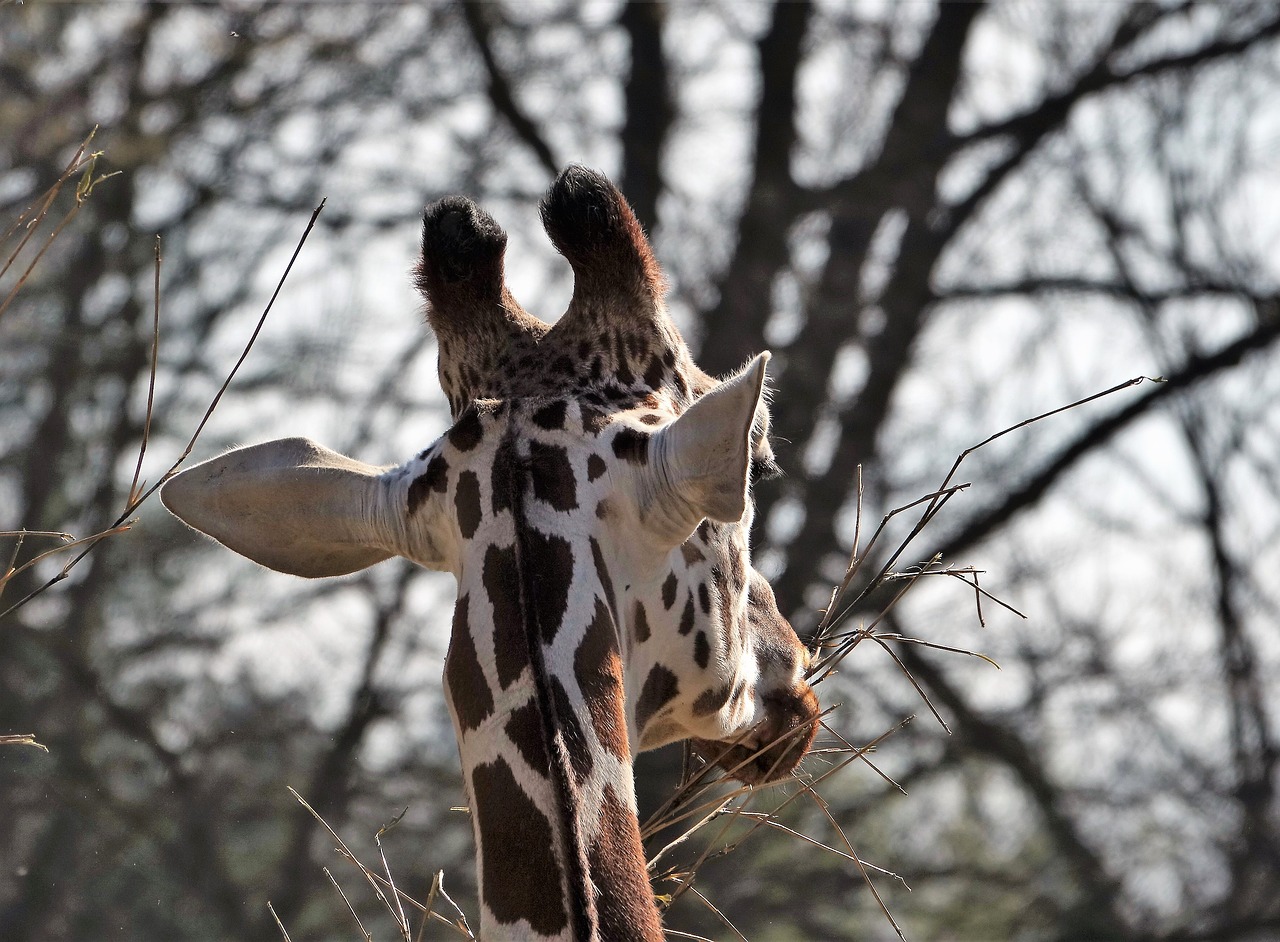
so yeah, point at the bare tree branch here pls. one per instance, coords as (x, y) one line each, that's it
(649, 109)
(501, 94)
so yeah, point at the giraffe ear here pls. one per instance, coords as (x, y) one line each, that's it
(703, 458)
(296, 507)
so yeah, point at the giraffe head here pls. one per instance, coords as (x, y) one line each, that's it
(592, 500)
(654, 454)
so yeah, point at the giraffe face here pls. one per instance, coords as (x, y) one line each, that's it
(708, 655)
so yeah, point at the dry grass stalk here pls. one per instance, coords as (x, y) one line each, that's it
(384, 884)
(82, 162)
(22, 739)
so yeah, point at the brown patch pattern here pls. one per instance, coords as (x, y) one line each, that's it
(511, 826)
(596, 467)
(467, 500)
(434, 479)
(598, 668)
(687, 616)
(552, 476)
(602, 573)
(710, 701)
(502, 585)
(631, 445)
(594, 421)
(467, 431)
(551, 416)
(660, 687)
(669, 587)
(655, 374)
(500, 476)
(524, 729)
(570, 731)
(701, 650)
(641, 624)
(468, 689)
(624, 902)
(551, 558)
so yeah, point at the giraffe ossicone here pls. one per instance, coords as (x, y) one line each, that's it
(592, 500)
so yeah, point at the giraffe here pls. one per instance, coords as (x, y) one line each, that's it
(592, 500)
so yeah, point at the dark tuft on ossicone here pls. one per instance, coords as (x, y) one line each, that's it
(592, 225)
(460, 243)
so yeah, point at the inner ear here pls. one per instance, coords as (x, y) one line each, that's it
(699, 463)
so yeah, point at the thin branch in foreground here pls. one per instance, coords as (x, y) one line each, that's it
(380, 883)
(402, 922)
(137, 501)
(351, 909)
(151, 381)
(437, 883)
(979, 593)
(87, 543)
(836, 609)
(721, 916)
(861, 866)
(84, 189)
(279, 925)
(1135, 381)
(22, 739)
(824, 668)
(862, 751)
(935, 501)
(719, 846)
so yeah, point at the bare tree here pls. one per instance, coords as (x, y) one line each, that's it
(941, 219)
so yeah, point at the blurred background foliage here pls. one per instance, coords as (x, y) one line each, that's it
(942, 219)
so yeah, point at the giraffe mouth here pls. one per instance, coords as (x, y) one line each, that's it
(771, 750)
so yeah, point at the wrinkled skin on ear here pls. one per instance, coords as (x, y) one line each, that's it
(297, 507)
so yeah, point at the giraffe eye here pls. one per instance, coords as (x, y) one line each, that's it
(763, 468)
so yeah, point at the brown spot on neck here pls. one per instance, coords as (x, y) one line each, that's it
(598, 668)
(616, 858)
(467, 502)
(669, 587)
(468, 688)
(631, 445)
(467, 431)
(521, 877)
(660, 688)
(552, 475)
(502, 586)
(551, 416)
(435, 479)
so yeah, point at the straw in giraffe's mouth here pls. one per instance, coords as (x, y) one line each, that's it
(770, 751)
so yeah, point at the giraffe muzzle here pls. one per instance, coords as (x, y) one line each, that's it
(771, 750)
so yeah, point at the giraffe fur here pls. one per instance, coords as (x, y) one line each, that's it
(592, 500)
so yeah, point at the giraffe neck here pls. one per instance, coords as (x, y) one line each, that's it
(550, 780)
